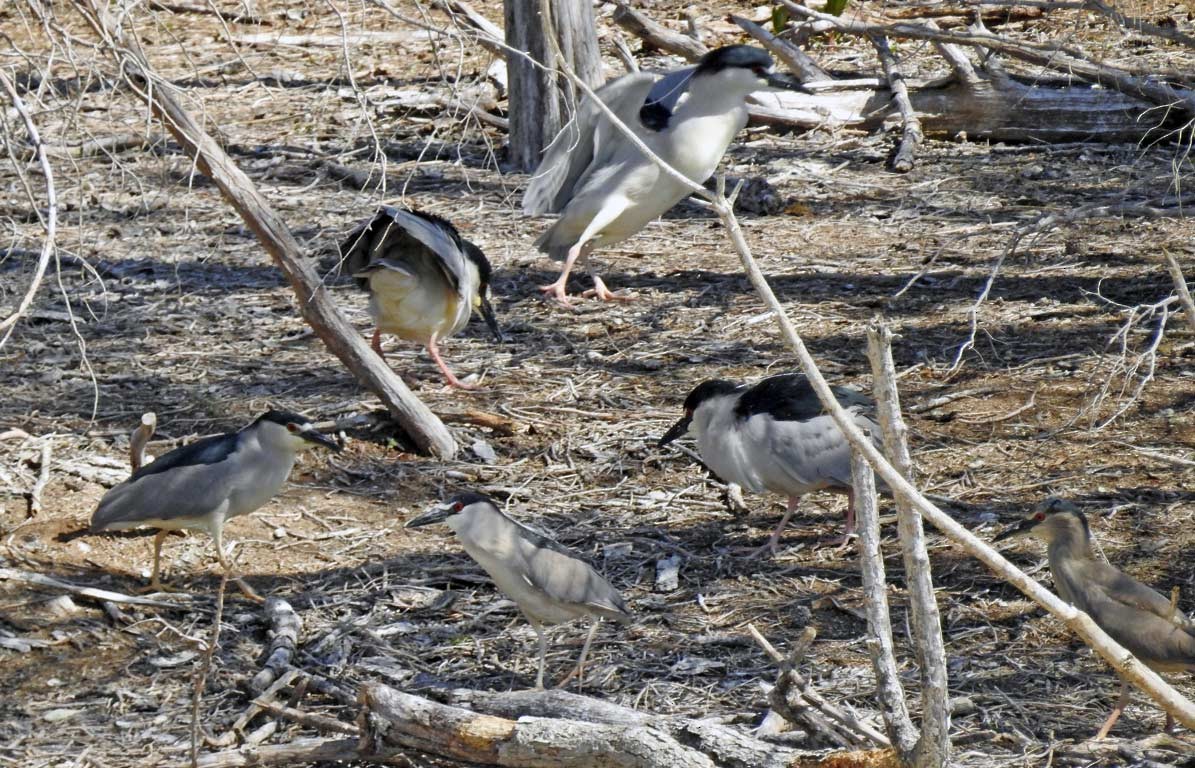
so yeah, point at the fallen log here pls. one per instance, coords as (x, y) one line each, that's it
(551, 729)
(997, 109)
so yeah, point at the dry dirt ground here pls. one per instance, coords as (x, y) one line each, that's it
(162, 300)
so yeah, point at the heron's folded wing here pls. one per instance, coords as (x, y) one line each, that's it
(585, 143)
(1136, 616)
(184, 490)
(565, 577)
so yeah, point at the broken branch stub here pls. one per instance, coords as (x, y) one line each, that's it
(312, 296)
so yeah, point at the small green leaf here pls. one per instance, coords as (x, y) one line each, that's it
(779, 19)
(835, 7)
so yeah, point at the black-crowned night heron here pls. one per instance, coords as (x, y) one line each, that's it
(775, 436)
(605, 189)
(550, 584)
(1142, 620)
(201, 486)
(424, 279)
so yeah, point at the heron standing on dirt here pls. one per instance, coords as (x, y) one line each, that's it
(605, 189)
(201, 486)
(424, 279)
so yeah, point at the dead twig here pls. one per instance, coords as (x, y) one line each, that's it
(50, 221)
(205, 666)
(903, 159)
(1180, 288)
(285, 627)
(43, 477)
(657, 35)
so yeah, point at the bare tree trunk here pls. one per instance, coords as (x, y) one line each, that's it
(539, 98)
(933, 748)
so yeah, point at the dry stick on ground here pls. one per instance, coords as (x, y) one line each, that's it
(1180, 288)
(314, 300)
(903, 160)
(140, 438)
(1052, 57)
(43, 476)
(658, 35)
(799, 62)
(101, 595)
(285, 627)
(889, 693)
(933, 748)
(51, 219)
(792, 699)
(297, 752)
(1080, 623)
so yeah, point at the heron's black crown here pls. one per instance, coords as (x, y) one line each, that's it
(707, 389)
(471, 497)
(745, 56)
(283, 417)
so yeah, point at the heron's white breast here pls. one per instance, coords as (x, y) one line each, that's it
(414, 309)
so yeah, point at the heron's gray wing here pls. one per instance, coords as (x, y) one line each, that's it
(191, 487)
(399, 235)
(810, 452)
(564, 576)
(585, 143)
(1135, 615)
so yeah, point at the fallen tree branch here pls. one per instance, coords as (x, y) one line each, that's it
(96, 594)
(1057, 58)
(140, 438)
(50, 222)
(285, 627)
(798, 62)
(903, 159)
(657, 35)
(1180, 288)
(297, 752)
(394, 720)
(313, 298)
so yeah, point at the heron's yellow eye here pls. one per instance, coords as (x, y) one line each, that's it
(477, 301)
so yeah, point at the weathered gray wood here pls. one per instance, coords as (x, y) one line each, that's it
(994, 109)
(539, 99)
(904, 159)
(933, 748)
(312, 296)
(798, 62)
(889, 693)
(395, 719)
(657, 35)
(723, 744)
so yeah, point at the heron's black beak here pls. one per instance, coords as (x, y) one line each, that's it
(784, 82)
(487, 314)
(678, 429)
(436, 514)
(311, 435)
(1020, 528)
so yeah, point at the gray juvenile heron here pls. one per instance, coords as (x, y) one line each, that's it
(1142, 620)
(550, 584)
(424, 279)
(775, 436)
(201, 486)
(605, 189)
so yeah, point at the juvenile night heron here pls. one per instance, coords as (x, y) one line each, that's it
(201, 486)
(550, 584)
(1142, 620)
(775, 436)
(424, 279)
(605, 189)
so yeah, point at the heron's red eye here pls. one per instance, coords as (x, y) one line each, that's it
(457, 507)
(1039, 516)
(292, 427)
